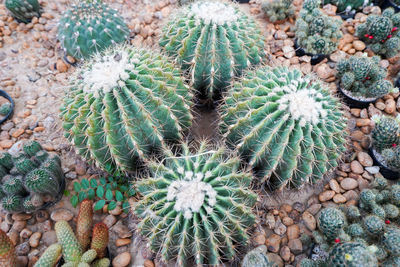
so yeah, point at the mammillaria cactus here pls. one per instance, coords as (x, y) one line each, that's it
(7, 251)
(27, 180)
(317, 33)
(50, 256)
(278, 9)
(348, 6)
(363, 77)
(381, 33)
(91, 26)
(285, 125)
(24, 10)
(196, 208)
(352, 254)
(258, 258)
(123, 106)
(212, 41)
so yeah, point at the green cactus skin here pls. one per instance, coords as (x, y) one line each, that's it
(104, 262)
(41, 181)
(392, 158)
(198, 201)
(25, 166)
(374, 225)
(351, 254)
(50, 256)
(264, 117)
(12, 203)
(381, 33)
(391, 241)
(24, 10)
(316, 32)
(356, 230)
(6, 160)
(32, 203)
(119, 122)
(212, 41)
(348, 6)
(71, 249)
(277, 10)
(53, 165)
(89, 256)
(392, 262)
(258, 258)
(5, 109)
(32, 147)
(7, 251)
(331, 222)
(184, 2)
(89, 27)
(41, 156)
(13, 185)
(386, 132)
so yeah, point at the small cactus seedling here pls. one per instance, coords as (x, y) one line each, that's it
(277, 10)
(212, 41)
(285, 125)
(316, 32)
(24, 10)
(381, 33)
(196, 208)
(124, 106)
(89, 27)
(7, 251)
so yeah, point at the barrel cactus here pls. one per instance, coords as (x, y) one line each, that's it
(27, 179)
(212, 41)
(196, 208)
(24, 10)
(125, 105)
(91, 26)
(331, 222)
(381, 33)
(285, 125)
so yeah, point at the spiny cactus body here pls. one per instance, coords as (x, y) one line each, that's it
(71, 248)
(50, 256)
(352, 254)
(123, 106)
(287, 127)
(277, 10)
(212, 41)
(99, 239)
(7, 251)
(258, 258)
(348, 6)
(196, 208)
(84, 223)
(23, 10)
(89, 27)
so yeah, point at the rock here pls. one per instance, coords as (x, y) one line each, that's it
(259, 239)
(270, 221)
(356, 167)
(49, 238)
(334, 185)
(121, 260)
(21, 216)
(373, 169)
(295, 245)
(148, 263)
(390, 106)
(309, 220)
(61, 66)
(359, 45)
(22, 249)
(350, 195)
(61, 215)
(35, 239)
(349, 184)
(287, 221)
(280, 228)
(18, 226)
(121, 230)
(288, 51)
(365, 159)
(273, 243)
(109, 220)
(285, 253)
(276, 259)
(339, 198)
(25, 233)
(123, 242)
(314, 208)
(22, 261)
(324, 71)
(293, 231)
(326, 195)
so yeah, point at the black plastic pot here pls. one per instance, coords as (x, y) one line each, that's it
(353, 102)
(389, 3)
(242, 1)
(61, 261)
(6, 96)
(384, 170)
(397, 83)
(345, 16)
(315, 59)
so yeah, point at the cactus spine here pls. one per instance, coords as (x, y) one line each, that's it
(84, 223)
(71, 248)
(99, 239)
(50, 257)
(23, 10)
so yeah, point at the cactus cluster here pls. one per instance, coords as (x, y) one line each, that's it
(373, 226)
(362, 77)
(212, 41)
(277, 10)
(287, 126)
(196, 208)
(258, 258)
(28, 178)
(381, 33)
(348, 6)
(24, 10)
(89, 27)
(124, 106)
(386, 140)
(7, 251)
(316, 32)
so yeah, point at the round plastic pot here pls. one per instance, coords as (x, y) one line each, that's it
(384, 170)
(8, 97)
(315, 58)
(353, 102)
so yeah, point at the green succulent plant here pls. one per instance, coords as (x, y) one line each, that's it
(258, 258)
(277, 10)
(348, 6)
(24, 10)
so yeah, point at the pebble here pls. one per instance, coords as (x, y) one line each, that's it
(122, 242)
(314, 208)
(18, 226)
(35, 239)
(61, 215)
(285, 253)
(270, 221)
(372, 170)
(22, 249)
(25, 233)
(109, 220)
(334, 185)
(295, 245)
(49, 238)
(293, 231)
(41, 215)
(349, 184)
(365, 159)
(121, 260)
(339, 199)
(61, 66)
(280, 228)
(350, 195)
(309, 221)
(148, 263)
(356, 167)
(359, 45)
(326, 195)
(273, 243)
(121, 230)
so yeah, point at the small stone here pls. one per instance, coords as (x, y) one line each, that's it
(273, 243)
(22, 249)
(285, 253)
(109, 220)
(356, 167)
(148, 263)
(350, 195)
(275, 258)
(41, 215)
(365, 159)
(21, 216)
(390, 106)
(326, 195)
(334, 185)
(309, 220)
(18, 133)
(22, 261)
(288, 51)
(49, 238)
(121, 230)
(373, 169)
(293, 231)
(18, 226)
(34, 240)
(287, 221)
(25, 233)
(295, 245)
(259, 239)
(61, 66)
(314, 208)
(280, 228)
(359, 45)
(349, 184)
(123, 242)
(121, 260)
(270, 221)
(339, 198)
(61, 215)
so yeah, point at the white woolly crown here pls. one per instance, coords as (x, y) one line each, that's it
(213, 12)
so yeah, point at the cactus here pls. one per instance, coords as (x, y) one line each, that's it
(348, 6)
(50, 256)
(89, 27)
(84, 223)
(258, 258)
(41, 181)
(287, 127)
(331, 222)
(89, 256)
(6, 160)
(184, 2)
(24, 10)
(7, 251)
(31, 148)
(123, 106)
(352, 254)
(213, 42)
(71, 248)
(381, 33)
(317, 33)
(5, 109)
(278, 9)
(99, 239)
(363, 77)
(104, 262)
(198, 201)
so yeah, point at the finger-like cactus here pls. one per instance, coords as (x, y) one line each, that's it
(196, 208)
(84, 223)
(104, 262)
(71, 248)
(99, 239)
(287, 127)
(24, 10)
(212, 41)
(89, 27)
(124, 105)
(7, 251)
(50, 256)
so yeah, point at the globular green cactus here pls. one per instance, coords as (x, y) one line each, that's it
(41, 181)
(196, 208)
(7, 251)
(32, 147)
(374, 225)
(348, 6)
(24, 10)
(315, 32)
(5, 109)
(391, 241)
(84, 223)
(104, 262)
(381, 33)
(285, 125)
(363, 77)
(392, 158)
(89, 27)
(12, 203)
(277, 10)
(212, 41)
(50, 256)
(6, 160)
(124, 106)
(331, 222)
(99, 239)
(352, 254)
(258, 258)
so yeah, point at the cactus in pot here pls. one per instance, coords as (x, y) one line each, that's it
(24, 10)
(348, 6)
(278, 10)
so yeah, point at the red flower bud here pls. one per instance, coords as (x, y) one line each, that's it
(371, 37)
(394, 145)
(387, 222)
(337, 240)
(367, 78)
(366, 35)
(389, 36)
(394, 29)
